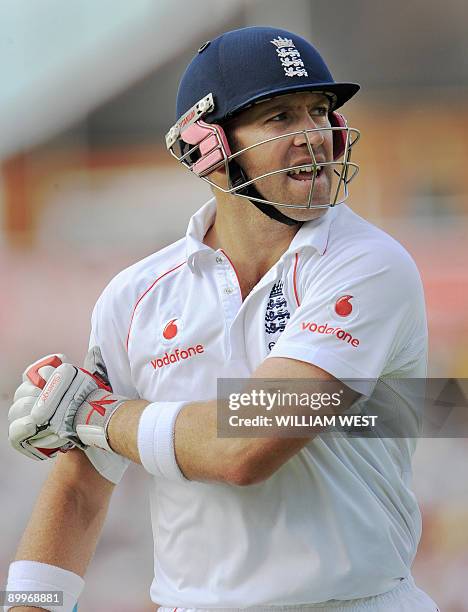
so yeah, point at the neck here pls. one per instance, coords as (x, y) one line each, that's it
(251, 240)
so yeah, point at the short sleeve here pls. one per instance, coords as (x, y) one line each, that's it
(359, 318)
(105, 334)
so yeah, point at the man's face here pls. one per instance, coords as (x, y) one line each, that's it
(276, 117)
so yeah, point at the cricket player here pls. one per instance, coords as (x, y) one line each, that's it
(278, 279)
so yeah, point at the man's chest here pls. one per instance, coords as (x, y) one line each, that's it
(191, 332)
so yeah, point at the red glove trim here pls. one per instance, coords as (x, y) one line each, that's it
(33, 372)
(101, 383)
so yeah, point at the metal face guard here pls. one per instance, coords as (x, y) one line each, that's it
(203, 147)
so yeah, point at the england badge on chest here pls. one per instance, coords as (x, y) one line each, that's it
(276, 314)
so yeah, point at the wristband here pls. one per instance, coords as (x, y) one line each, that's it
(156, 439)
(37, 576)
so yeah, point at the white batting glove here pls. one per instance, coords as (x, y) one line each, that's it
(45, 444)
(59, 406)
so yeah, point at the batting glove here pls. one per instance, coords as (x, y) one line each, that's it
(59, 406)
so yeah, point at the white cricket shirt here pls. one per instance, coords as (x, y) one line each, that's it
(337, 521)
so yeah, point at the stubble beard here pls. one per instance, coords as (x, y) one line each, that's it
(280, 189)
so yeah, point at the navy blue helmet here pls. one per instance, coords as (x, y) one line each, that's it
(246, 66)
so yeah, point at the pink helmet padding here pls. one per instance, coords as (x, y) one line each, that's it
(208, 144)
(212, 141)
(206, 162)
(195, 133)
(222, 136)
(339, 136)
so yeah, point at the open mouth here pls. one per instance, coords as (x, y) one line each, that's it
(306, 173)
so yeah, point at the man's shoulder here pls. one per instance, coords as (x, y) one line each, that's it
(357, 250)
(133, 281)
(363, 242)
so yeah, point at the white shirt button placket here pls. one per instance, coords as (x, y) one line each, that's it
(229, 292)
(228, 287)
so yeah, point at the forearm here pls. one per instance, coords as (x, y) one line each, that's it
(61, 532)
(200, 453)
(122, 432)
(65, 526)
(67, 519)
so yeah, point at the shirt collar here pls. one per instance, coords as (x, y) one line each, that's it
(199, 224)
(313, 234)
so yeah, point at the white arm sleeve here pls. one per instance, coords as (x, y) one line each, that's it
(105, 335)
(382, 326)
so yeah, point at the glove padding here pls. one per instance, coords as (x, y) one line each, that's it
(43, 419)
(40, 444)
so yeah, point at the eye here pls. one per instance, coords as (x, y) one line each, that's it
(278, 117)
(321, 111)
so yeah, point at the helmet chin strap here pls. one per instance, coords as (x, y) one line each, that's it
(239, 176)
(268, 209)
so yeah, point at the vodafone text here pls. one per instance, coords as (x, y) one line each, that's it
(177, 355)
(341, 334)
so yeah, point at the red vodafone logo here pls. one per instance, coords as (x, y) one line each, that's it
(343, 306)
(170, 330)
(324, 328)
(177, 355)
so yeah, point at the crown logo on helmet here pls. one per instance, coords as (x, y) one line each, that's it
(289, 57)
(280, 42)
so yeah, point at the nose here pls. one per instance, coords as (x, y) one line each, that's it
(316, 138)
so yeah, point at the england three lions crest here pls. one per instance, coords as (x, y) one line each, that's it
(289, 57)
(276, 314)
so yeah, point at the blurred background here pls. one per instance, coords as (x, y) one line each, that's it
(87, 92)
